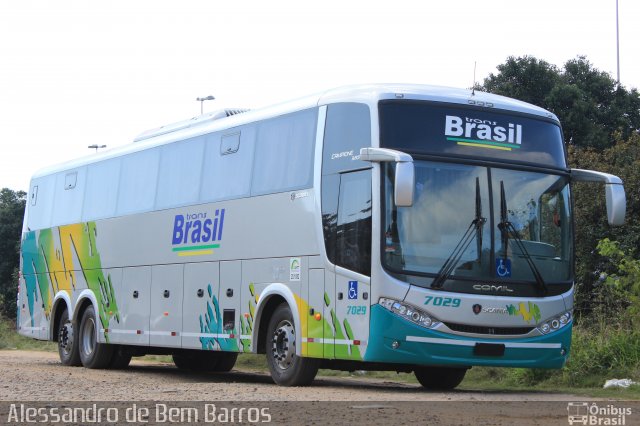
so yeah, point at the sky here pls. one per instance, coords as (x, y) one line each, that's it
(78, 73)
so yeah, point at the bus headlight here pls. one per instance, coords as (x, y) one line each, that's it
(555, 323)
(409, 312)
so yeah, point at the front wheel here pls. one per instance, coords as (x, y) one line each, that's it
(92, 353)
(287, 369)
(440, 378)
(68, 342)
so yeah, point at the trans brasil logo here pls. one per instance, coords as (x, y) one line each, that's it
(197, 234)
(482, 133)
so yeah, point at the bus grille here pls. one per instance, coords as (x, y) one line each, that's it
(500, 331)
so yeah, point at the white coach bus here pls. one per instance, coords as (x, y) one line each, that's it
(383, 227)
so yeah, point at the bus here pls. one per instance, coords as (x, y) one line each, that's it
(406, 228)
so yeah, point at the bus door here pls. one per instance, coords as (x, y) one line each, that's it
(349, 318)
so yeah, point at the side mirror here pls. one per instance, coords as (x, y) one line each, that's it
(614, 192)
(405, 175)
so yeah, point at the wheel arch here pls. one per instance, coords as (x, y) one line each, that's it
(85, 299)
(61, 302)
(270, 298)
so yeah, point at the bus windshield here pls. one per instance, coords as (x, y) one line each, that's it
(480, 223)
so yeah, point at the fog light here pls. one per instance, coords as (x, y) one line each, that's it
(563, 351)
(395, 344)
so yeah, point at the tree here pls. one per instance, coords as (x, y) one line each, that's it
(12, 204)
(621, 159)
(526, 78)
(591, 106)
(600, 122)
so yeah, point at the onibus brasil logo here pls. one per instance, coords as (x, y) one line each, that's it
(197, 234)
(482, 133)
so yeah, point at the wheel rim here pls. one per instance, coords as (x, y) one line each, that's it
(65, 338)
(88, 336)
(284, 344)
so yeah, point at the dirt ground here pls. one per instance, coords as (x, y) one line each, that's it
(34, 378)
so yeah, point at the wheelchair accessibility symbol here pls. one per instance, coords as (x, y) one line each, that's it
(353, 290)
(503, 268)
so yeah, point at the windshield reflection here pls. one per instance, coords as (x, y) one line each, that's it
(434, 236)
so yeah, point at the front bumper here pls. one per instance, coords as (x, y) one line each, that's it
(421, 346)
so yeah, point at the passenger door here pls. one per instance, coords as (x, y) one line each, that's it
(349, 320)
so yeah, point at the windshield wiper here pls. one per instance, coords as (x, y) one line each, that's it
(506, 228)
(452, 261)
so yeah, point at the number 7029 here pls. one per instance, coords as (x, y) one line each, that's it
(442, 301)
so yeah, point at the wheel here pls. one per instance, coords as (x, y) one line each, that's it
(67, 342)
(218, 362)
(92, 353)
(287, 369)
(440, 378)
(183, 362)
(225, 362)
(121, 358)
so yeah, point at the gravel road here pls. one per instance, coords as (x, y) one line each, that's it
(39, 376)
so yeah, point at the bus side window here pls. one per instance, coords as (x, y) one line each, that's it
(348, 128)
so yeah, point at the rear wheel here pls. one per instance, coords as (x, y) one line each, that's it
(440, 378)
(286, 367)
(92, 353)
(67, 342)
(225, 362)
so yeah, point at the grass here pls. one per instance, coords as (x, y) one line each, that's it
(597, 355)
(10, 339)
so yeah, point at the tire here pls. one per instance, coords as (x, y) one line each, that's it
(287, 369)
(121, 358)
(217, 362)
(68, 342)
(440, 378)
(225, 362)
(183, 362)
(92, 354)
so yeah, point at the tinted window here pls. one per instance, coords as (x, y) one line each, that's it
(330, 192)
(67, 203)
(138, 175)
(347, 129)
(227, 165)
(353, 232)
(179, 177)
(102, 189)
(284, 153)
(431, 128)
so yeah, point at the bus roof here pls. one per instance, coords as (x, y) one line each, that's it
(369, 94)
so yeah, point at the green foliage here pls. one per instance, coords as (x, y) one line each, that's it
(621, 159)
(10, 339)
(589, 103)
(624, 281)
(12, 204)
